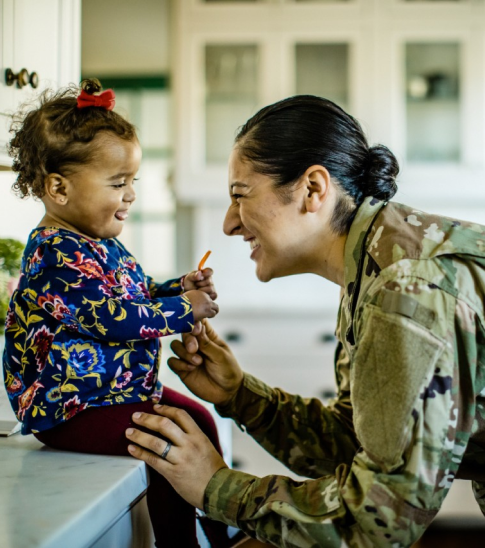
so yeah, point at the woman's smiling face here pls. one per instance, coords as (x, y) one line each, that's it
(273, 229)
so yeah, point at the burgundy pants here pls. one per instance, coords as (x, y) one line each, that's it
(101, 430)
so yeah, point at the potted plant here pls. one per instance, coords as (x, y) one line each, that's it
(10, 258)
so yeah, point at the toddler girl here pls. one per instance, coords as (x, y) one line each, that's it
(82, 346)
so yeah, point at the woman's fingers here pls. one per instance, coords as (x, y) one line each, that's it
(171, 422)
(210, 344)
(210, 333)
(155, 445)
(170, 427)
(149, 457)
(179, 367)
(187, 354)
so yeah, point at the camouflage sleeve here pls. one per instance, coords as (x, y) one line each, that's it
(413, 397)
(309, 438)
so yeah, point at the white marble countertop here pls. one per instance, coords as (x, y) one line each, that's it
(56, 499)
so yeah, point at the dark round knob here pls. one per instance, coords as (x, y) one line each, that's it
(10, 77)
(34, 80)
(22, 77)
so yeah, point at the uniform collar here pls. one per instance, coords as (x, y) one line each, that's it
(363, 220)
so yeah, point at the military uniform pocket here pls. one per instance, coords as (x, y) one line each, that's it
(394, 360)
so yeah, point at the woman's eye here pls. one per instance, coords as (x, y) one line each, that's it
(237, 196)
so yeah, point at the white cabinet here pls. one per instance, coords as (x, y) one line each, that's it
(41, 37)
(413, 73)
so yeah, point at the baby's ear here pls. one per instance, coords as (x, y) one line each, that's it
(55, 187)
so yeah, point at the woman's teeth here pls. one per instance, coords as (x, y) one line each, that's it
(253, 243)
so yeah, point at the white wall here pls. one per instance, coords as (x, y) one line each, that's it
(17, 217)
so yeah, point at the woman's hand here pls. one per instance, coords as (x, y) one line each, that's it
(206, 365)
(202, 280)
(191, 461)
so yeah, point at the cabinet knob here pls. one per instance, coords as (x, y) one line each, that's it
(34, 80)
(22, 78)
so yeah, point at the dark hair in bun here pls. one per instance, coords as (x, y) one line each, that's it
(284, 139)
(381, 173)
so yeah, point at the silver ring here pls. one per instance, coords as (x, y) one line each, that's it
(166, 450)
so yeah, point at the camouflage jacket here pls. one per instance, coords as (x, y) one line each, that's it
(409, 416)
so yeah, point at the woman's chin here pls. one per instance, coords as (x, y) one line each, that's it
(262, 274)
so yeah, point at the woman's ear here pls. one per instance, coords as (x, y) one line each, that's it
(56, 187)
(316, 181)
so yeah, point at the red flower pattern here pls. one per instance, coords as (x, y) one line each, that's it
(27, 398)
(73, 407)
(43, 340)
(87, 267)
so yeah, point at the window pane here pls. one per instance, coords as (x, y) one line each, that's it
(322, 69)
(228, 1)
(231, 95)
(323, 1)
(433, 102)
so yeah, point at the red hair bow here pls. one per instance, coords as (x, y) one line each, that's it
(104, 100)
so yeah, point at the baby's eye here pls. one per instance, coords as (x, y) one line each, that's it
(237, 196)
(119, 185)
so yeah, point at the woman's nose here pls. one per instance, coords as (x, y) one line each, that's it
(232, 222)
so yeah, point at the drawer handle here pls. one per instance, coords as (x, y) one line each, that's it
(233, 336)
(23, 78)
(327, 338)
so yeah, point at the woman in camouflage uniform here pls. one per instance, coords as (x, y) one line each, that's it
(310, 195)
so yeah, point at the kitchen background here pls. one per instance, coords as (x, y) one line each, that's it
(189, 72)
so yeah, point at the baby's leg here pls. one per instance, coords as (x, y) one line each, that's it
(101, 430)
(196, 410)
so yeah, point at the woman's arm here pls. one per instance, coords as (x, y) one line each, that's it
(308, 437)
(414, 410)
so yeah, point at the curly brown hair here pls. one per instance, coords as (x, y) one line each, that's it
(57, 135)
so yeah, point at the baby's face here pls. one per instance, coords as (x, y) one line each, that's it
(100, 194)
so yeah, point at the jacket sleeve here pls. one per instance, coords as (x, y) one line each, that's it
(307, 437)
(170, 288)
(70, 284)
(411, 399)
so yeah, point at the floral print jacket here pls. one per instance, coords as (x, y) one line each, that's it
(83, 328)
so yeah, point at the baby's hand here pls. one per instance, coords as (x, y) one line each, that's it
(202, 280)
(202, 305)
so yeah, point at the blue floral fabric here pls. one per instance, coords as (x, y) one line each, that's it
(83, 328)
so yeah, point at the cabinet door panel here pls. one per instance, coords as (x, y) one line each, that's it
(6, 59)
(36, 40)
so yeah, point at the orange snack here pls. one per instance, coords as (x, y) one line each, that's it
(203, 260)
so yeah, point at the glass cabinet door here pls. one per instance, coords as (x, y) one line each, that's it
(231, 84)
(228, 1)
(323, 1)
(322, 69)
(433, 102)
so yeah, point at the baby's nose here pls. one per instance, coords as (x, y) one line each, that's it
(130, 195)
